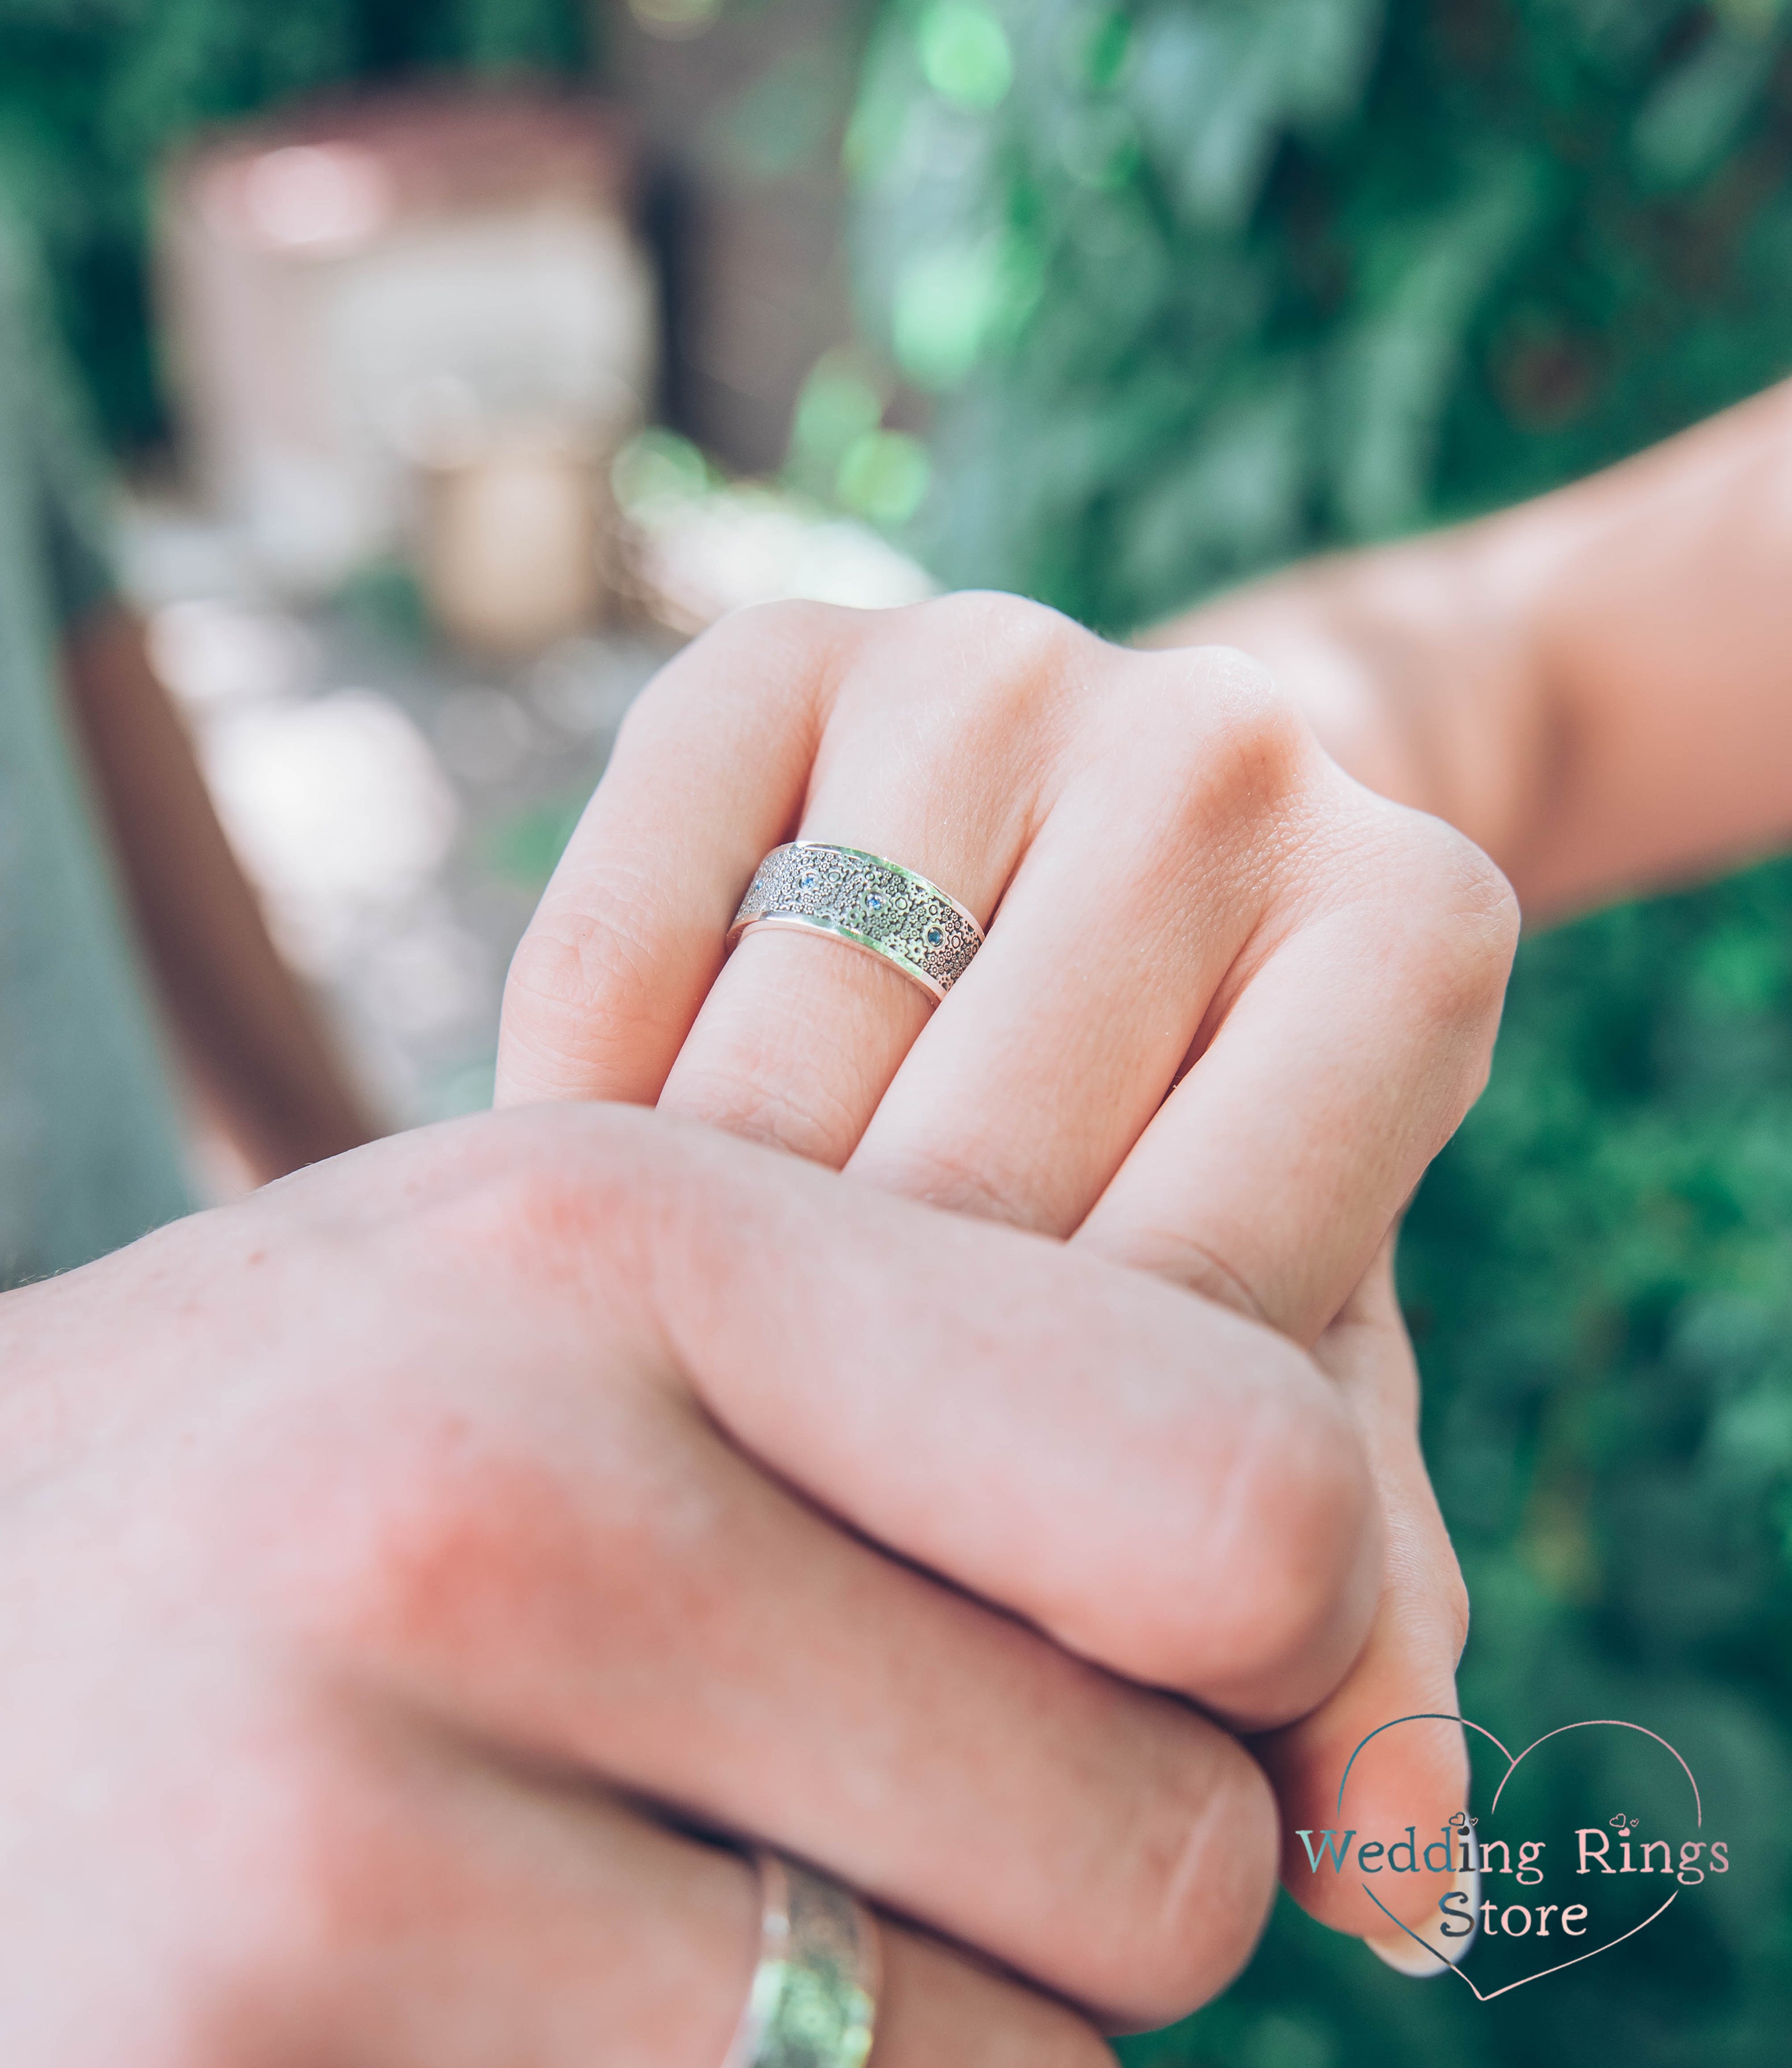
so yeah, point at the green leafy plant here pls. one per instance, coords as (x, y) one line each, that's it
(1202, 284)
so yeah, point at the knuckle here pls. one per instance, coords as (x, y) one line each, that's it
(977, 620)
(1006, 651)
(750, 1095)
(1240, 692)
(1222, 1603)
(1234, 738)
(1308, 1469)
(581, 990)
(966, 1178)
(1466, 924)
(782, 630)
(563, 958)
(969, 690)
(450, 1541)
(1204, 1869)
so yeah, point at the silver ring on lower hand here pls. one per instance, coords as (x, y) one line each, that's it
(813, 2002)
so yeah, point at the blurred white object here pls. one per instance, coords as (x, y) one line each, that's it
(212, 654)
(339, 811)
(584, 686)
(397, 283)
(429, 977)
(705, 547)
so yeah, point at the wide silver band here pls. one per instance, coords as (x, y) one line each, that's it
(871, 903)
(813, 2002)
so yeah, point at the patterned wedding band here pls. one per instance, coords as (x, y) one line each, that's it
(860, 898)
(813, 2002)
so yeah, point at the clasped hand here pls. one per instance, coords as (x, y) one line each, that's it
(409, 1568)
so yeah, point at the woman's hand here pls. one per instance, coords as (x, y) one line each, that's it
(381, 1556)
(1231, 1003)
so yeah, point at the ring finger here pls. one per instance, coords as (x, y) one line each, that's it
(506, 1918)
(1126, 892)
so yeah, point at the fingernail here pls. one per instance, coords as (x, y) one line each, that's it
(1422, 1952)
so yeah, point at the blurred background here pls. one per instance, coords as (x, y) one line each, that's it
(458, 360)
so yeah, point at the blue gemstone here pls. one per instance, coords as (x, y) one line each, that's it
(934, 937)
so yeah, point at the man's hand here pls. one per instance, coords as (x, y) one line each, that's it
(401, 1566)
(1231, 1004)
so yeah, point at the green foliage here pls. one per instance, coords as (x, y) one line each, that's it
(1239, 279)
(94, 93)
(1202, 284)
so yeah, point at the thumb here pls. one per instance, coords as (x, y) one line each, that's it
(1407, 1779)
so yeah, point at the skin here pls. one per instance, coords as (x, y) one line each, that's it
(1592, 685)
(1231, 1005)
(405, 1697)
(464, 1525)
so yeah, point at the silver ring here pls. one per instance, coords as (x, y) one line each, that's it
(813, 2002)
(869, 903)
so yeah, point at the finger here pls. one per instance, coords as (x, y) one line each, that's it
(1340, 1066)
(1157, 863)
(933, 758)
(648, 1605)
(473, 1918)
(1413, 1777)
(708, 775)
(1158, 1430)
(938, 2006)
(1087, 1448)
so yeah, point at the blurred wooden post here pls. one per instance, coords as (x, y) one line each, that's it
(417, 324)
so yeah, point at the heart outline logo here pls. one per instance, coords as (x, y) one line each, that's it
(1513, 1764)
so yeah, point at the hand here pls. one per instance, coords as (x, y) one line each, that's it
(1231, 1005)
(380, 1552)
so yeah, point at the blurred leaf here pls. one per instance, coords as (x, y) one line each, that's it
(525, 849)
(883, 476)
(1394, 374)
(1696, 115)
(965, 54)
(1238, 496)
